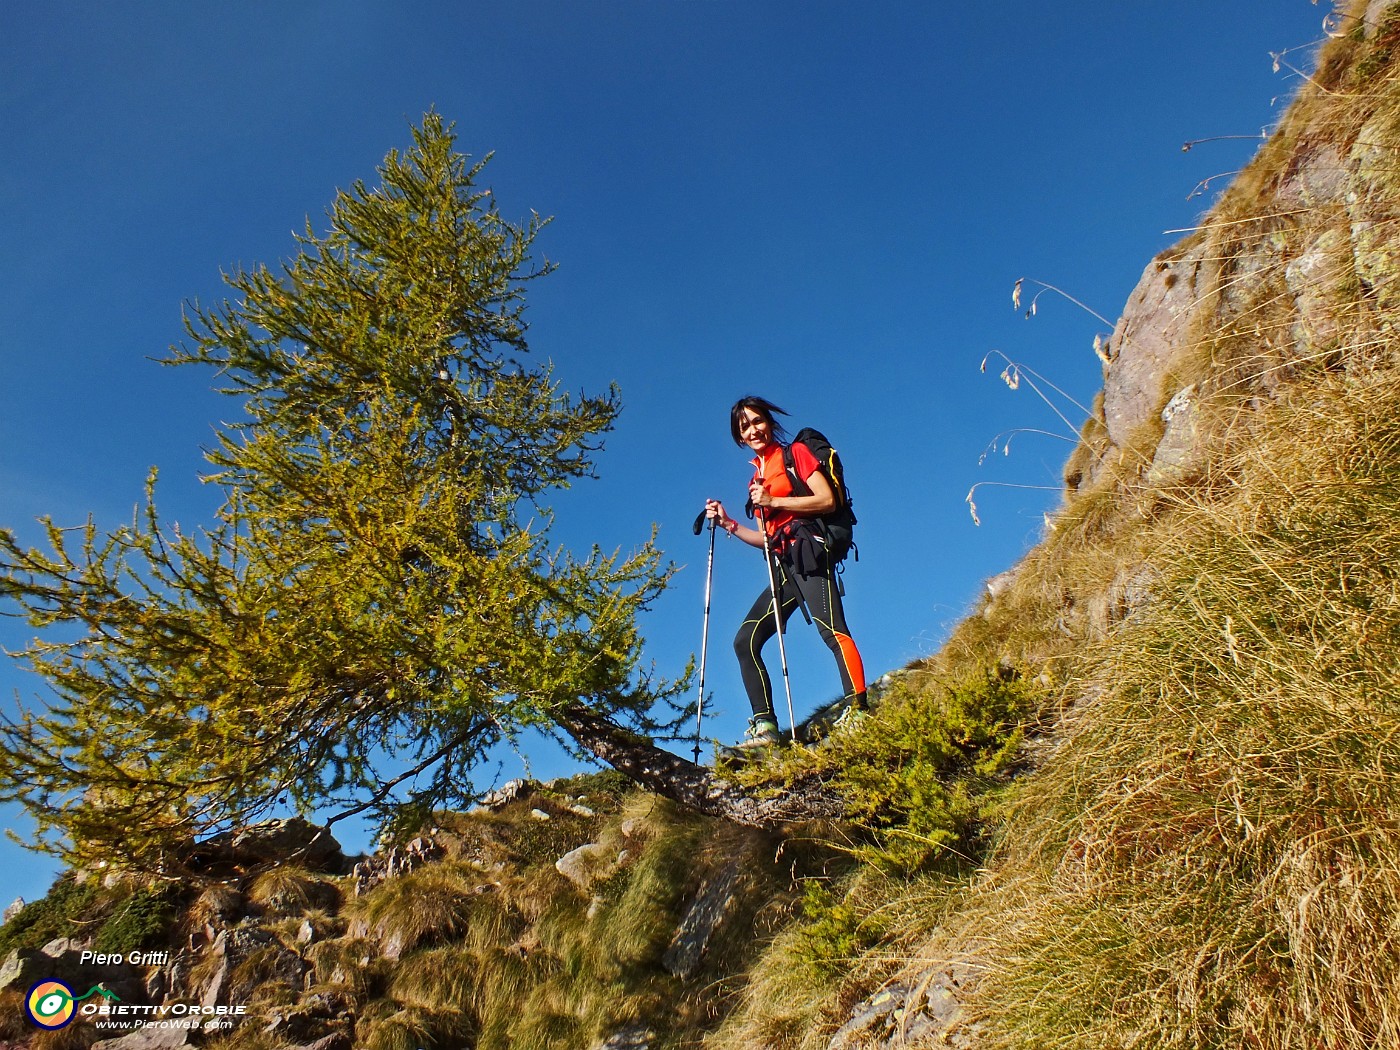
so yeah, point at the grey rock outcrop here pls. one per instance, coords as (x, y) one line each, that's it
(506, 793)
(1179, 452)
(1145, 340)
(399, 860)
(291, 841)
(234, 948)
(586, 865)
(313, 1020)
(22, 968)
(714, 903)
(909, 1013)
(635, 1037)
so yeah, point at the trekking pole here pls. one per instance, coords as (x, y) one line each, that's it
(777, 618)
(705, 630)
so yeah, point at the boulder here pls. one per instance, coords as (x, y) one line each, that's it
(1180, 451)
(291, 841)
(334, 1041)
(925, 1012)
(22, 968)
(315, 1018)
(236, 946)
(399, 860)
(507, 792)
(586, 865)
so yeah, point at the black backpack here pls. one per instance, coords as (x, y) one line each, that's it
(837, 526)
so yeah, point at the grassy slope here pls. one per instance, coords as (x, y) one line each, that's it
(1209, 856)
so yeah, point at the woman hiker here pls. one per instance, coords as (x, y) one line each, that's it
(804, 569)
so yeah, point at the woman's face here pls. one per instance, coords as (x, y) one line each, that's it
(754, 429)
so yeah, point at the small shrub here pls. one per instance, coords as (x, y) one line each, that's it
(920, 770)
(141, 920)
(836, 932)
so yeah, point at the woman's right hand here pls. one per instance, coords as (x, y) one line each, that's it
(715, 509)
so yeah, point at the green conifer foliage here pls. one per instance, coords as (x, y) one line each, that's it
(378, 603)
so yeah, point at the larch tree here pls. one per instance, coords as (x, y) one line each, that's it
(378, 604)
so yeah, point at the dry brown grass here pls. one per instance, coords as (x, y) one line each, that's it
(1211, 858)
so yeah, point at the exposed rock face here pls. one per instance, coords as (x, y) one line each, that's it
(1241, 307)
(713, 904)
(1145, 340)
(21, 969)
(1302, 253)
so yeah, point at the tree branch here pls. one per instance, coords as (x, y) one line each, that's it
(694, 786)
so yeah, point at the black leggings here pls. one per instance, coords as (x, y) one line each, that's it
(822, 596)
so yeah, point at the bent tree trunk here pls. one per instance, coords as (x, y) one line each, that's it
(669, 775)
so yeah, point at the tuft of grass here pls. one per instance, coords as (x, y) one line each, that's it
(352, 964)
(431, 904)
(413, 1028)
(288, 890)
(76, 1036)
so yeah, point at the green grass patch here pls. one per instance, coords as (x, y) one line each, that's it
(64, 911)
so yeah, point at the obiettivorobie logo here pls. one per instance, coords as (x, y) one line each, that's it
(51, 1003)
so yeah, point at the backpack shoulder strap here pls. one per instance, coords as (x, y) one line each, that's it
(799, 484)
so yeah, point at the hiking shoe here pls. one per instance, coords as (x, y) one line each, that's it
(762, 732)
(850, 718)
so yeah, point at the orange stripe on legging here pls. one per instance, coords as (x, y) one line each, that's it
(854, 667)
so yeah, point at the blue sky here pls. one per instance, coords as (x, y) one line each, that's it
(824, 203)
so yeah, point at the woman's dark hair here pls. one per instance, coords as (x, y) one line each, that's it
(764, 408)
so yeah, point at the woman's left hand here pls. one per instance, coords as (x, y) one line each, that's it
(758, 495)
